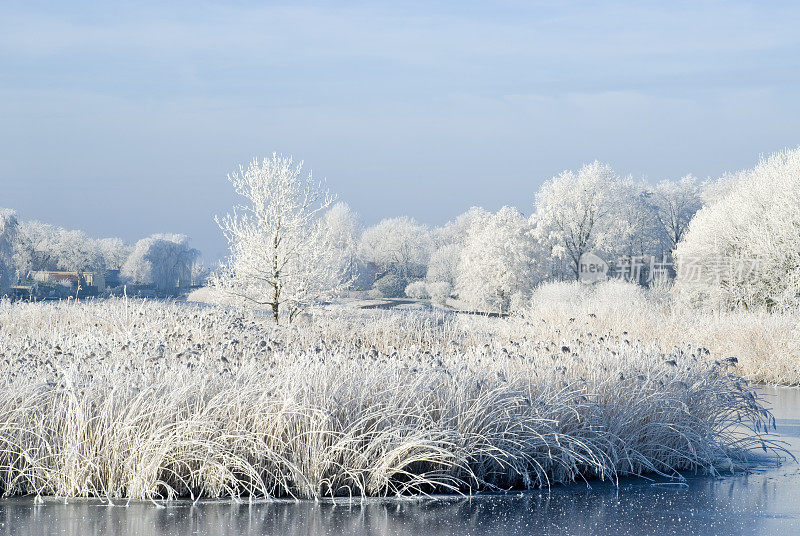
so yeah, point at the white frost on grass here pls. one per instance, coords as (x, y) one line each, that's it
(155, 400)
(765, 344)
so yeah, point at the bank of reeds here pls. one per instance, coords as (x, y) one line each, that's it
(765, 345)
(149, 400)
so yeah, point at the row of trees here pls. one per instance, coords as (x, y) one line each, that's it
(163, 261)
(489, 261)
(39, 246)
(292, 246)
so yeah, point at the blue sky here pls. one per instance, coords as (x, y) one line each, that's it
(124, 119)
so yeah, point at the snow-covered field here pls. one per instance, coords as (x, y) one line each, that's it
(125, 398)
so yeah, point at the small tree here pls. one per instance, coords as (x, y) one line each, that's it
(282, 255)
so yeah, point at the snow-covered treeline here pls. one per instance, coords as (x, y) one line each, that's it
(491, 261)
(291, 245)
(40, 246)
(28, 246)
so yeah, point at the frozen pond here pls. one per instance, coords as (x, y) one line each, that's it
(763, 501)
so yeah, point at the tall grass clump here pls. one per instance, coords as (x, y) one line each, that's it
(133, 399)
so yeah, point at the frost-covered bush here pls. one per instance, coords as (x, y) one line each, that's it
(417, 290)
(390, 286)
(439, 291)
(660, 290)
(558, 293)
(743, 250)
(615, 292)
(606, 296)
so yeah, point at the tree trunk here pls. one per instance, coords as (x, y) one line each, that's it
(276, 289)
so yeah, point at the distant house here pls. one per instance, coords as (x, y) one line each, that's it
(88, 279)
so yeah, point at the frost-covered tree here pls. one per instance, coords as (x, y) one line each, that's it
(398, 245)
(632, 225)
(340, 230)
(283, 254)
(114, 252)
(575, 211)
(497, 268)
(40, 246)
(443, 264)
(36, 247)
(743, 249)
(676, 204)
(455, 231)
(8, 231)
(162, 260)
(200, 273)
(78, 252)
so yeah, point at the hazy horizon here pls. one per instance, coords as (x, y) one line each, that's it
(124, 120)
